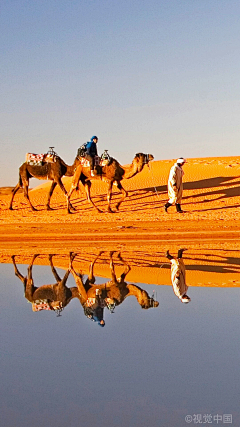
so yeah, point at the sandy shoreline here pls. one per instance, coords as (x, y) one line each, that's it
(211, 201)
(141, 231)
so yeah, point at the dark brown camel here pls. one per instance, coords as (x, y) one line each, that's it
(51, 297)
(112, 173)
(113, 292)
(53, 171)
(57, 296)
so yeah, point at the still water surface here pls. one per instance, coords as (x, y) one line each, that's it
(147, 366)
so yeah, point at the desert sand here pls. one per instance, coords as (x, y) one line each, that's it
(140, 230)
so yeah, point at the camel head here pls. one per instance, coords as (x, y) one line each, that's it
(146, 302)
(142, 159)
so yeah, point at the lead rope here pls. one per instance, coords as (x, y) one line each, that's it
(151, 172)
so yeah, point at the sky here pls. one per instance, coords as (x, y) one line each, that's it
(153, 76)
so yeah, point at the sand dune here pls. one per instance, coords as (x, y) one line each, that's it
(141, 230)
(211, 193)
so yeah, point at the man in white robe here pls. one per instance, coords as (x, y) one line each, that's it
(175, 185)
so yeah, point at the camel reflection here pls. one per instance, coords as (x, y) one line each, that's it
(47, 297)
(93, 298)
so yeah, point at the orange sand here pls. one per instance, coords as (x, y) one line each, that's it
(141, 229)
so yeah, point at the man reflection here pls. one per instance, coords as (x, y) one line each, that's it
(178, 276)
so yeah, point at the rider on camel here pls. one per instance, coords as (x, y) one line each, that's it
(91, 152)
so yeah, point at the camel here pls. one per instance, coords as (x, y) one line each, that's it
(111, 173)
(95, 297)
(47, 297)
(53, 171)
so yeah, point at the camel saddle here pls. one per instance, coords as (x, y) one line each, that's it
(39, 159)
(43, 304)
(39, 305)
(98, 161)
(91, 301)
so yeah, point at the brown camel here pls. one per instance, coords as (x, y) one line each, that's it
(112, 173)
(53, 171)
(93, 298)
(112, 293)
(47, 297)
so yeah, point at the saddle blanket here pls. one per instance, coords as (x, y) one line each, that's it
(97, 162)
(39, 305)
(85, 162)
(91, 301)
(38, 159)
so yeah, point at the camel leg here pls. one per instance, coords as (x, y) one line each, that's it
(17, 272)
(30, 288)
(61, 282)
(27, 281)
(54, 271)
(78, 189)
(112, 268)
(75, 181)
(73, 187)
(18, 186)
(91, 278)
(50, 195)
(30, 267)
(109, 195)
(124, 193)
(62, 286)
(78, 280)
(127, 268)
(23, 182)
(25, 188)
(87, 186)
(69, 206)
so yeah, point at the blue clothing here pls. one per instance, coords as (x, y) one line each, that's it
(91, 148)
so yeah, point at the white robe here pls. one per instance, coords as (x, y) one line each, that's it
(175, 186)
(178, 277)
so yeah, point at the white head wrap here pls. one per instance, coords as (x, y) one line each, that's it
(181, 160)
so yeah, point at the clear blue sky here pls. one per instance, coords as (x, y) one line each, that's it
(149, 75)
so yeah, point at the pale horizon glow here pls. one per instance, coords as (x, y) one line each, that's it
(150, 76)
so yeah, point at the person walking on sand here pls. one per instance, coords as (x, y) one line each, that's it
(175, 186)
(178, 276)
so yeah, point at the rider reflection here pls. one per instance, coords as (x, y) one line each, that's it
(94, 298)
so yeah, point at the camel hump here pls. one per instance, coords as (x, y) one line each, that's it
(38, 159)
(34, 159)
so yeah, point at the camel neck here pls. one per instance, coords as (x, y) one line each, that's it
(71, 169)
(130, 171)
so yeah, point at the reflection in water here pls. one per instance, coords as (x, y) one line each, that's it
(178, 275)
(93, 298)
(130, 374)
(47, 297)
